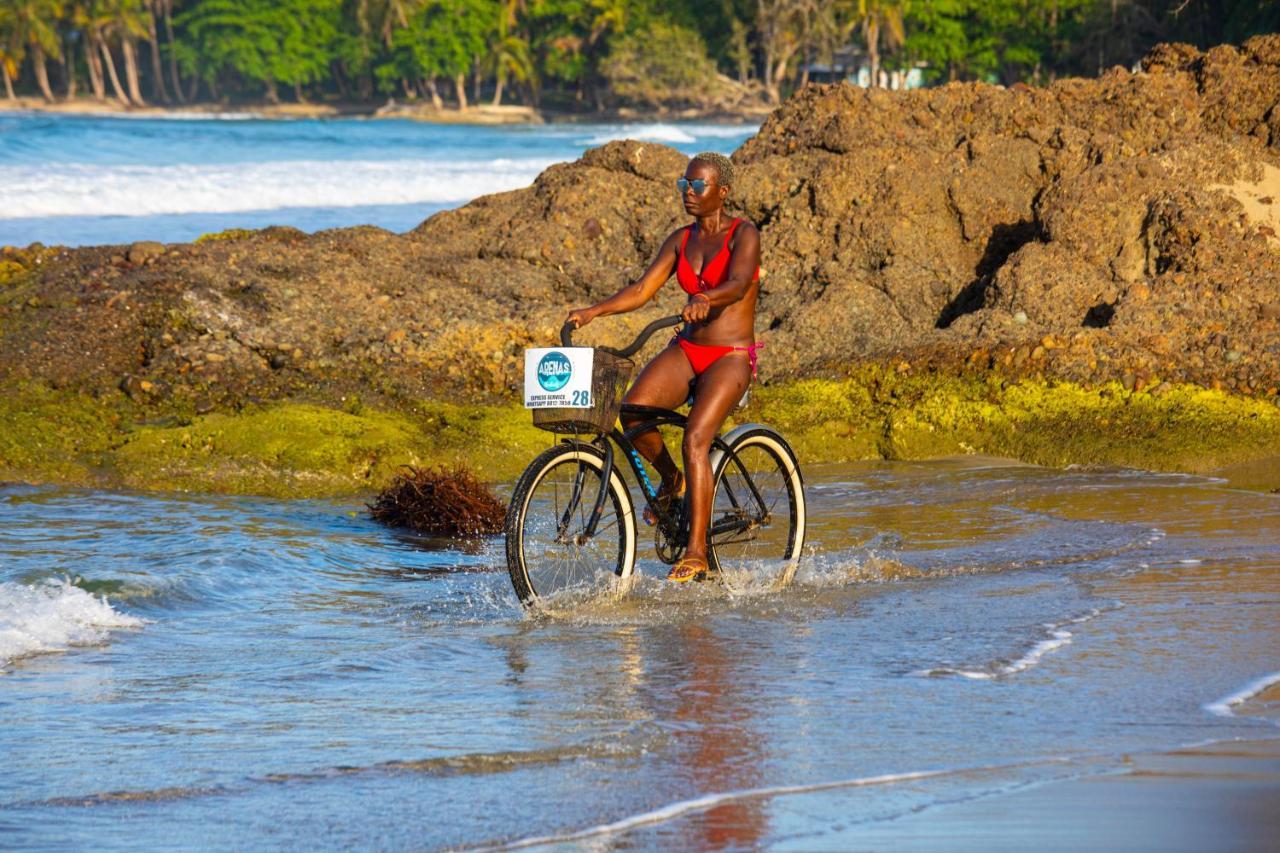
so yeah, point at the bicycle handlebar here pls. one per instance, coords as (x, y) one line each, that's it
(567, 330)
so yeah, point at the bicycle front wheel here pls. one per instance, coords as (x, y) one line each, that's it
(549, 554)
(758, 513)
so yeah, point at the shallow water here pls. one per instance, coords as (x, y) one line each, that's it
(77, 180)
(272, 673)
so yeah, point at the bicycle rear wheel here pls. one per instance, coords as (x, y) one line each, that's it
(548, 553)
(757, 513)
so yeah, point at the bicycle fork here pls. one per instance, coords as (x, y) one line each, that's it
(597, 509)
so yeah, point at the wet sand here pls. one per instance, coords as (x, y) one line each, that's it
(1260, 475)
(978, 655)
(1223, 796)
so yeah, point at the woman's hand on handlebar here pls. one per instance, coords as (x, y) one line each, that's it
(580, 317)
(697, 309)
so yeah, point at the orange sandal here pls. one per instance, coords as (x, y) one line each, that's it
(688, 569)
(664, 500)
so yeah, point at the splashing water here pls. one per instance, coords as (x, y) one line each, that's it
(213, 658)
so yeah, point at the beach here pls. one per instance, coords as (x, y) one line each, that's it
(974, 652)
(480, 114)
(1219, 796)
(1024, 342)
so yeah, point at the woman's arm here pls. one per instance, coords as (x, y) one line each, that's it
(633, 295)
(743, 264)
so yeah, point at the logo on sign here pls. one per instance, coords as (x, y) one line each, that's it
(554, 371)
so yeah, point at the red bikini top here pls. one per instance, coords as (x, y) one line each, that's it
(714, 271)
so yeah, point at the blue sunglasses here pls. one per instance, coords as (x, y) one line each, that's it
(698, 184)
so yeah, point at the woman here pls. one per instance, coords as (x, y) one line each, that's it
(716, 260)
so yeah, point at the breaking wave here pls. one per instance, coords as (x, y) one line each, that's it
(53, 616)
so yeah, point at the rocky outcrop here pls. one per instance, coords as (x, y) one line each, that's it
(1113, 229)
(1092, 229)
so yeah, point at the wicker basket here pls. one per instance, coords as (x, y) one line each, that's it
(609, 378)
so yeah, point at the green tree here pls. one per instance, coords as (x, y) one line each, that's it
(509, 54)
(122, 22)
(444, 38)
(11, 50)
(937, 35)
(166, 10)
(569, 39)
(997, 40)
(680, 73)
(877, 20)
(151, 9)
(99, 20)
(265, 41)
(32, 30)
(779, 27)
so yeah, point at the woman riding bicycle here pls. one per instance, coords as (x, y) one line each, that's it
(716, 260)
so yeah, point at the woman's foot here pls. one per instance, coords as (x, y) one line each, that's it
(667, 494)
(688, 569)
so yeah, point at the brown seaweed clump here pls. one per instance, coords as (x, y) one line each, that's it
(439, 500)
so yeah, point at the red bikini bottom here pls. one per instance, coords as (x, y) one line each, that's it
(702, 356)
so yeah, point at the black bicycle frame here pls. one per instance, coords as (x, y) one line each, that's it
(623, 438)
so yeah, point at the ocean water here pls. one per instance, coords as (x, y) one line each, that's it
(241, 673)
(86, 180)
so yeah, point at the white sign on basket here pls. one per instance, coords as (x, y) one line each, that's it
(558, 378)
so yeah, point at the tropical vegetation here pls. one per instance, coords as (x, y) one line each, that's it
(573, 54)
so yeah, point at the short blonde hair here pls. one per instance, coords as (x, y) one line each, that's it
(719, 162)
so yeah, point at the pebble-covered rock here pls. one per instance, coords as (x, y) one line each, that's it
(968, 224)
(143, 251)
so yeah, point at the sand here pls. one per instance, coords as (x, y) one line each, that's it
(1262, 475)
(1261, 201)
(483, 114)
(91, 106)
(1225, 796)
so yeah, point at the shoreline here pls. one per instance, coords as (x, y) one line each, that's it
(481, 114)
(1210, 796)
(326, 448)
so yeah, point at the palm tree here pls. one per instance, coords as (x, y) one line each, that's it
(879, 18)
(395, 15)
(153, 40)
(174, 77)
(80, 18)
(126, 21)
(510, 53)
(11, 53)
(35, 27)
(100, 20)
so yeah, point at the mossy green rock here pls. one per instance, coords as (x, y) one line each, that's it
(54, 435)
(880, 413)
(296, 449)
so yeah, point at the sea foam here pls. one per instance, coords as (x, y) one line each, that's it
(1058, 636)
(671, 134)
(668, 133)
(137, 190)
(1225, 706)
(53, 616)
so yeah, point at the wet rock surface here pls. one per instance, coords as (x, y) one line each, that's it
(1092, 231)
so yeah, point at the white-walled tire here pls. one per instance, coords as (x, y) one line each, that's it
(756, 535)
(547, 556)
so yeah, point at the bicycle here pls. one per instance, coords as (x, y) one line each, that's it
(571, 524)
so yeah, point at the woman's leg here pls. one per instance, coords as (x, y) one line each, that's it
(664, 384)
(719, 389)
